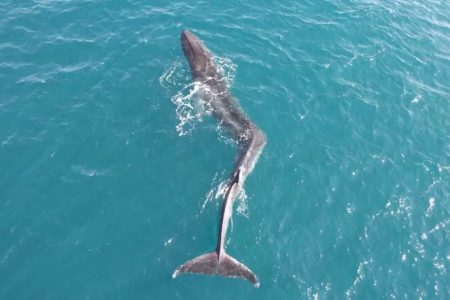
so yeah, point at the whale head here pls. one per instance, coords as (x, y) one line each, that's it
(198, 56)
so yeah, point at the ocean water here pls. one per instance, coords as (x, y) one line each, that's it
(111, 170)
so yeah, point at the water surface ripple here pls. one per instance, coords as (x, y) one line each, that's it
(102, 197)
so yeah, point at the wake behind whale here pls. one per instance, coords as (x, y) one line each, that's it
(251, 141)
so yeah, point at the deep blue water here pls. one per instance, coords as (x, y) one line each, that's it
(111, 172)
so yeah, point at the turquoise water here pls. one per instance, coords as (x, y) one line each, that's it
(111, 173)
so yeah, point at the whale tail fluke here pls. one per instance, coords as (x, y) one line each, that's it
(212, 264)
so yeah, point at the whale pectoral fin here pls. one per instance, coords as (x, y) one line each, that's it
(210, 264)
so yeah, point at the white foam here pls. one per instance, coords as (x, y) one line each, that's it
(189, 108)
(227, 68)
(216, 191)
(168, 242)
(89, 172)
(431, 203)
(189, 97)
(242, 208)
(416, 99)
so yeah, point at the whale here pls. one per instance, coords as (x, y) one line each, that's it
(250, 141)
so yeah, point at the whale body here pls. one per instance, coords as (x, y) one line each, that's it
(250, 140)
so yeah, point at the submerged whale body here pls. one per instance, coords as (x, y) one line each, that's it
(251, 141)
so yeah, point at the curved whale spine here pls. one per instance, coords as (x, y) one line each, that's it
(251, 141)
